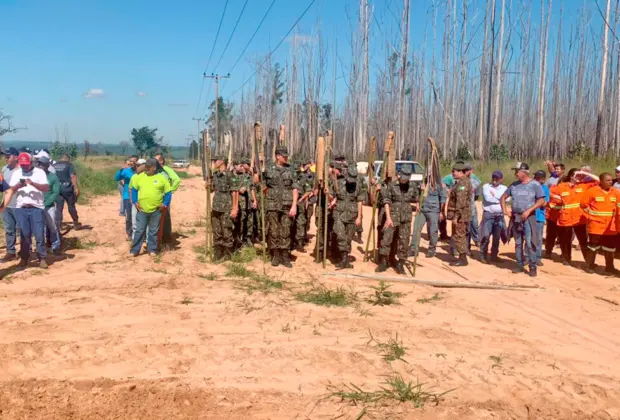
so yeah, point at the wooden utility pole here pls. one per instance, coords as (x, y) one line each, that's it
(217, 78)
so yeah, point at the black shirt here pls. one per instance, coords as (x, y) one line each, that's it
(64, 170)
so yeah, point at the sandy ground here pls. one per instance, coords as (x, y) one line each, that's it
(101, 335)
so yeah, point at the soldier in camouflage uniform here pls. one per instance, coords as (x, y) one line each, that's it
(359, 230)
(396, 199)
(281, 195)
(225, 209)
(324, 195)
(459, 211)
(306, 185)
(348, 210)
(247, 200)
(311, 176)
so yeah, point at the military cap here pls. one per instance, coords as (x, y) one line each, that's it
(459, 166)
(339, 165)
(405, 171)
(220, 157)
(468, 166)
(352, 173)
(282, 151)
(340, 156)
(246, 161)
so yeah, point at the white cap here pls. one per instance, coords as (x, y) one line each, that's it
(617, 168)
(141, 161)
(41, 154)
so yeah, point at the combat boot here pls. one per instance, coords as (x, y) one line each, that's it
(275, 261)
(382, 264)
(358, 238)
(285, 259)
(227, 253)
(344, 260)
(461, 262)
(216, 253)
(590, 264)
(609, 263)
(399, 267)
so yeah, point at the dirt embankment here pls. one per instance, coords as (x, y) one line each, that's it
(101, 335)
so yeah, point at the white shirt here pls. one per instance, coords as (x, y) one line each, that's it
(7, 174)
(491, 196)
(28, 195)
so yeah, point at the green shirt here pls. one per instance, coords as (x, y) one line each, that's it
(175, 181)
(151, 190)
(49, 198)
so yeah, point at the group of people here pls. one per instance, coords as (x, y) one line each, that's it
(147, 189)
(35, 191)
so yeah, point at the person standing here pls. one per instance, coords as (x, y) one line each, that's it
(396, 200)
(474, 234)
(492, 217)
(281, 196)
(459, 212)
(224, 209)
(350, 196)
(9, 218)
(527, 195)
(49, 201)
(557, 173)
(69, 190)
(152, 194)
(124, 176)
(571, 219)
(306, 186)
(617, 179)
(600, 206)
(539, 176)
(29, 184)
(432, 212)
(312, 199)
(246, 200)
(175, 181)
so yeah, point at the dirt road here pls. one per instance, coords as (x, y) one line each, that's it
(101, 335)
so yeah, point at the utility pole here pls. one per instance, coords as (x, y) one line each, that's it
(217, 78)
(199, 136)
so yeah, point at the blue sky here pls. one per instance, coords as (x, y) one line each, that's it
(103, 67)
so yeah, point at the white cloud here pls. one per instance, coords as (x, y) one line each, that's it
(94, 93)
(141, 93)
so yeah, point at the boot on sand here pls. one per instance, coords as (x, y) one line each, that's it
(284, 258)
(461, 262)
(344, 260)
(275, 261)
(382, 264)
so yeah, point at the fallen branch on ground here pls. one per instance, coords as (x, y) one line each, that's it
(439, 284)
(613, 302)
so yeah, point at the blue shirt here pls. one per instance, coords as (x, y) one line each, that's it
(524, 196)
(125, 175)
(540, 212)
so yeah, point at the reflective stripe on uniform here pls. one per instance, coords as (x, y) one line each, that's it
(571, 206)
(594, 248)
(609, 249)
(564, 194)
(599, 213)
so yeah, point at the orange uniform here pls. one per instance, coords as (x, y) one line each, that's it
(600, 208)
(571, 213)
(552, 211)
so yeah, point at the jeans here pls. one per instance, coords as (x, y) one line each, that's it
(9, 221)
(431, 219)
(474, 234)
(128, 218)
(146, 221)
(123, 206)
(539, 240)
(67, 194)
(31, 222)
(491, 225)
(134, 213)
(50, 221)
(526, 241)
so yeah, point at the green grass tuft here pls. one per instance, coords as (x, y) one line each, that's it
(323, 296)
(391, 350)
(239, 270)
(383, 296)
(433, 298)
(245, 254)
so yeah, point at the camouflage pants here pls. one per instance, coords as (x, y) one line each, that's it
(300, 224)
(459, 236)
(223, 227)
(320, 227)
(309, 214)
(344, 234)
(242, 227)
(279, 230)
(401, 234)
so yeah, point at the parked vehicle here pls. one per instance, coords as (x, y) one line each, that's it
(180, 164)
(417, 176)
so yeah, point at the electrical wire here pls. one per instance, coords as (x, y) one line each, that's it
(276, 47)
(231, 35)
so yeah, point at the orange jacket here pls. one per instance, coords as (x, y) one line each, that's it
(571, 213)
(552, 211)
(600, 209)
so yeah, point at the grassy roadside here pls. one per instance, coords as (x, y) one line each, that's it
(94, 182)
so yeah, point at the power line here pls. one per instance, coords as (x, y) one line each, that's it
(231, 35)
(217, 35)
(274, 50)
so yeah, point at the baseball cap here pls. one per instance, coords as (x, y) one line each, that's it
(41, 154)
(141, 161)
(522, 166)
(497, 175)
(282, 151)
(459, 166)
(405, 172)
(11, 151)
(43, 160)
(617, 168)
(352, 173)
(540, 174)
(24, 159)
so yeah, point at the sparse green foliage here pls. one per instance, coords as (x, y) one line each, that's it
(463, 153)
(286, 328)
(433, 298)
(395, 388)
(391, 350)
(210, 276)
(144, 140)
(384, 296)
(85, 244)
(498, 153)
(245, 254)
(186, 300)
(323, 296)
(497, 360)
(238, 270)
(157, 270)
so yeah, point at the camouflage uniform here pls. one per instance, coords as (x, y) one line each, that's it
(280, 182)
(359, 230)
(301, 220)
(349, 193)
(311, 202)
(459, 211)
(399, 197)
(224, 184)
(243, 222)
